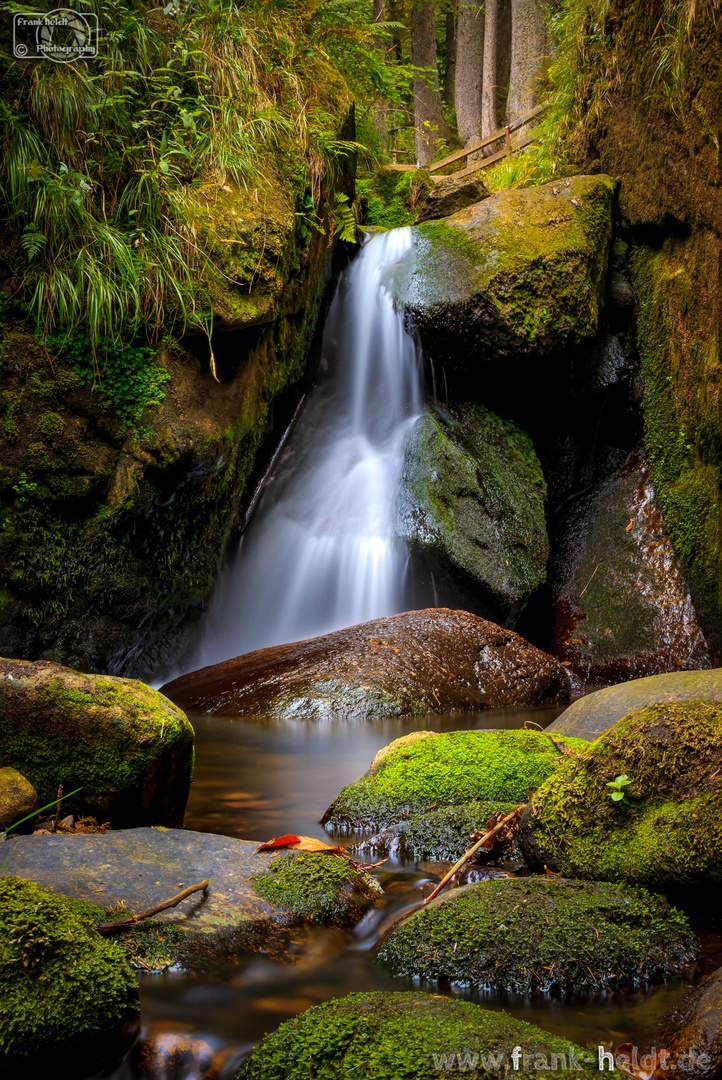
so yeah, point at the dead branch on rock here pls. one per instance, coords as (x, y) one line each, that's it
(121, 924)
(472, 850)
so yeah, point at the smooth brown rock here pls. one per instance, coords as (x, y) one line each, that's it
(450, 195)
(693, 1033)
(433, 660)
(18, 797)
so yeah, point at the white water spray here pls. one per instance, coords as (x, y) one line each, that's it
(320, 552)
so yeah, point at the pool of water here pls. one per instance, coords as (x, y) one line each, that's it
(255, 781)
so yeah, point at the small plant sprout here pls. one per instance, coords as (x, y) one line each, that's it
(617, 794)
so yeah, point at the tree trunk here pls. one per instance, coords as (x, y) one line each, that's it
(381, 108)
(450, 69)
(528, 54)
(489, 82)
(429, 123)
(469, 65)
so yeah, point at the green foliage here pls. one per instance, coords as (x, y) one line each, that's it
(125, 371)
(618, 794)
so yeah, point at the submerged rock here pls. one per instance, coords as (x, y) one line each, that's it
(446, 770)
(537, 934)
(521, 272)
(472, 503)
(589, 716)
(18, 797)
(410, 1036)
(666, 832)
(65, 990)
(621, 605)
(451, 194)
(127, 747)
(419, 662)
(254, 900)
(693, 1033)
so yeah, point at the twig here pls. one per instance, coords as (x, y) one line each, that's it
(479, 843)
(57, 808)
(107, 928)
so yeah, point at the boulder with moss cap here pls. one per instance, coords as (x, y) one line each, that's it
(537, 934)
(402, 1036)
(666, 831)
(127, 747)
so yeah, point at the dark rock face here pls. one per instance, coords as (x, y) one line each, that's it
(449, 195)
(622, 608)
(142, 867)
(590, 716)
(128, 748)
(419, 662)
(693, 1030)
(665, 833)
(472, 504)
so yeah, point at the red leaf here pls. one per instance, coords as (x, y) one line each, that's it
(283, 841)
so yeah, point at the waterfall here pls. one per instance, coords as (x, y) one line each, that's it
(320, 551)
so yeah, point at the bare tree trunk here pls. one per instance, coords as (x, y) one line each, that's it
(381, 108)
(489, 82)
(469, 66)
(450, 69)
(503, 59)
(528, 54)
(429, 123)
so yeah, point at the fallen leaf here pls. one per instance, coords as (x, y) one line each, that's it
(629, 527)
(282, 841)
(299, 843)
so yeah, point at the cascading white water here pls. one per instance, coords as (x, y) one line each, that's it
(320, 552)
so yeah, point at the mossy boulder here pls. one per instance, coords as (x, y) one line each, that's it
(441, 834)
(323, 887)
(520, 273)
(622, 607)
(65, 989)
(18, 797)
(432, 660)
(666, 832)
(128, 748)
(451, 194)
(472, 503)
(446, 770)
(537, 934)
(409, 1036)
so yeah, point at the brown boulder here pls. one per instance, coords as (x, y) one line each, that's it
(18, 797)
(433, 660)
(451, 194)
(693, 1033)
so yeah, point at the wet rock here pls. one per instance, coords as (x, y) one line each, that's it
(170, 1055)
(521, 272)
(693, 1033)
(406, 1036)
(67, 993)
(535, 934)
(435, 834)
(622, 608)
(472, 503)
(254, 902)
(666, 832)
(589, 716)
(127, 747)
(448, 770)
(450, 195)
(18, 798)
(419, 662)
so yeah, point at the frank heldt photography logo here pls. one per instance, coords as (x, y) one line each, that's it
(61, 35)
(630, 1060)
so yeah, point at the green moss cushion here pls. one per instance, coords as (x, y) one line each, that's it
(320, 886)
(410, 1036)
(530, 934)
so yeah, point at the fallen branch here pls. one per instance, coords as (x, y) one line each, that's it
(108, 928)
(472, 850)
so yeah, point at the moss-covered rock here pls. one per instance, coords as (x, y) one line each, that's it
(390, 199)
(436, 834)
(410, 1036)
(18, 797)
(447, 770)
(127, 747)
(666, 832)
(325, 888)
(520, 273)
(537, 934)
(472, 502)
(64, 988)
(621, 605)
(450, 195)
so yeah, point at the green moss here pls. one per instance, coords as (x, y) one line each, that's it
(537, 934)
(325, 888)
(447, 769)
(61, 983)
(150, 946)
(391, 199)
(444, 833)
(667, 833)
(406, 1036)
(474, 493)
